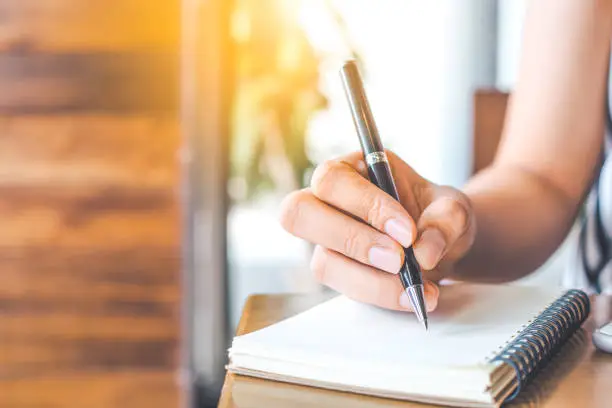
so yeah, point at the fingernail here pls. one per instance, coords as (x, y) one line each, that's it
(430, 301)
(431, 248)
(361, 167)
(399, 231)
(432, 295)
(317, 262)
(404, 301)
(385, 259)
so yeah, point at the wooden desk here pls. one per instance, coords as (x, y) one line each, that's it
(579, 377)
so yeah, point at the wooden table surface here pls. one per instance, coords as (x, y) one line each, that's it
(579, 377)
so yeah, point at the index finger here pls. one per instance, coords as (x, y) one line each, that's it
(341, 184)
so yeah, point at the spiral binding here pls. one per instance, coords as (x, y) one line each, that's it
(531, 349)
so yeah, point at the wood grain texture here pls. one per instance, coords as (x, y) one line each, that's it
(116, 389)
(87, 217)
(90, 233)
(489, 116)
(108, 150)
(34, 82)
(578, 377)
(94, 25)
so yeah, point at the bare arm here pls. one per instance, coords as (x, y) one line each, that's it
(509, 218)
(525, 203)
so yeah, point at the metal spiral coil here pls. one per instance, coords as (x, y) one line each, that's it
(542, 338)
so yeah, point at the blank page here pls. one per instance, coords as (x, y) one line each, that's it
(469, 326)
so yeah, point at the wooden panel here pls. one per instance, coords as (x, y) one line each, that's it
(68, 25)
(145, 268)
(118, 389)
(87, 216)
(90, 237)
(89, 279)
(489, 116)
(87, 309)
(120, 82)
(80, 298)
(107, 150)
(33, 356)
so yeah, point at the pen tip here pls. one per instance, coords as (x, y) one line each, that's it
(426, 324)
(417, 300)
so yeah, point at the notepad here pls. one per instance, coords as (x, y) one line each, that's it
(485, 342)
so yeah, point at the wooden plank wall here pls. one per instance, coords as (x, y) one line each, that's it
(89, 211)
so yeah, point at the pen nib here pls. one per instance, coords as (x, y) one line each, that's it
(416, 294)
(425, 324)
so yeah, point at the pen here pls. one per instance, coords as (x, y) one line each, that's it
(380, 174)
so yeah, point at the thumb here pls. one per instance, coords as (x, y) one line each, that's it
(446, 228)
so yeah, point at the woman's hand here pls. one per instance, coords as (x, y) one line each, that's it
(359, 230)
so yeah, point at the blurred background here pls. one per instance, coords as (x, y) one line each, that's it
(145, 147)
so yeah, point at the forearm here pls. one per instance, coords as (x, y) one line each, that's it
(525, 204)
(520, 220)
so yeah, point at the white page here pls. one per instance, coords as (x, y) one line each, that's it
(471, 322)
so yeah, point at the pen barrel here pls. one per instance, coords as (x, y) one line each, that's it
(379, 174)
(360, 109)
(379, 170)
(410, 264)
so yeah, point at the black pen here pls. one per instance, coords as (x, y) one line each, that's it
(380, 174)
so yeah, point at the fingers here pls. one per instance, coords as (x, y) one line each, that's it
(364, 284)
(446, 230)
(342, 186)
(307, 217)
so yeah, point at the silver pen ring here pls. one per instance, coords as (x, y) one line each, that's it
(376, 157)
